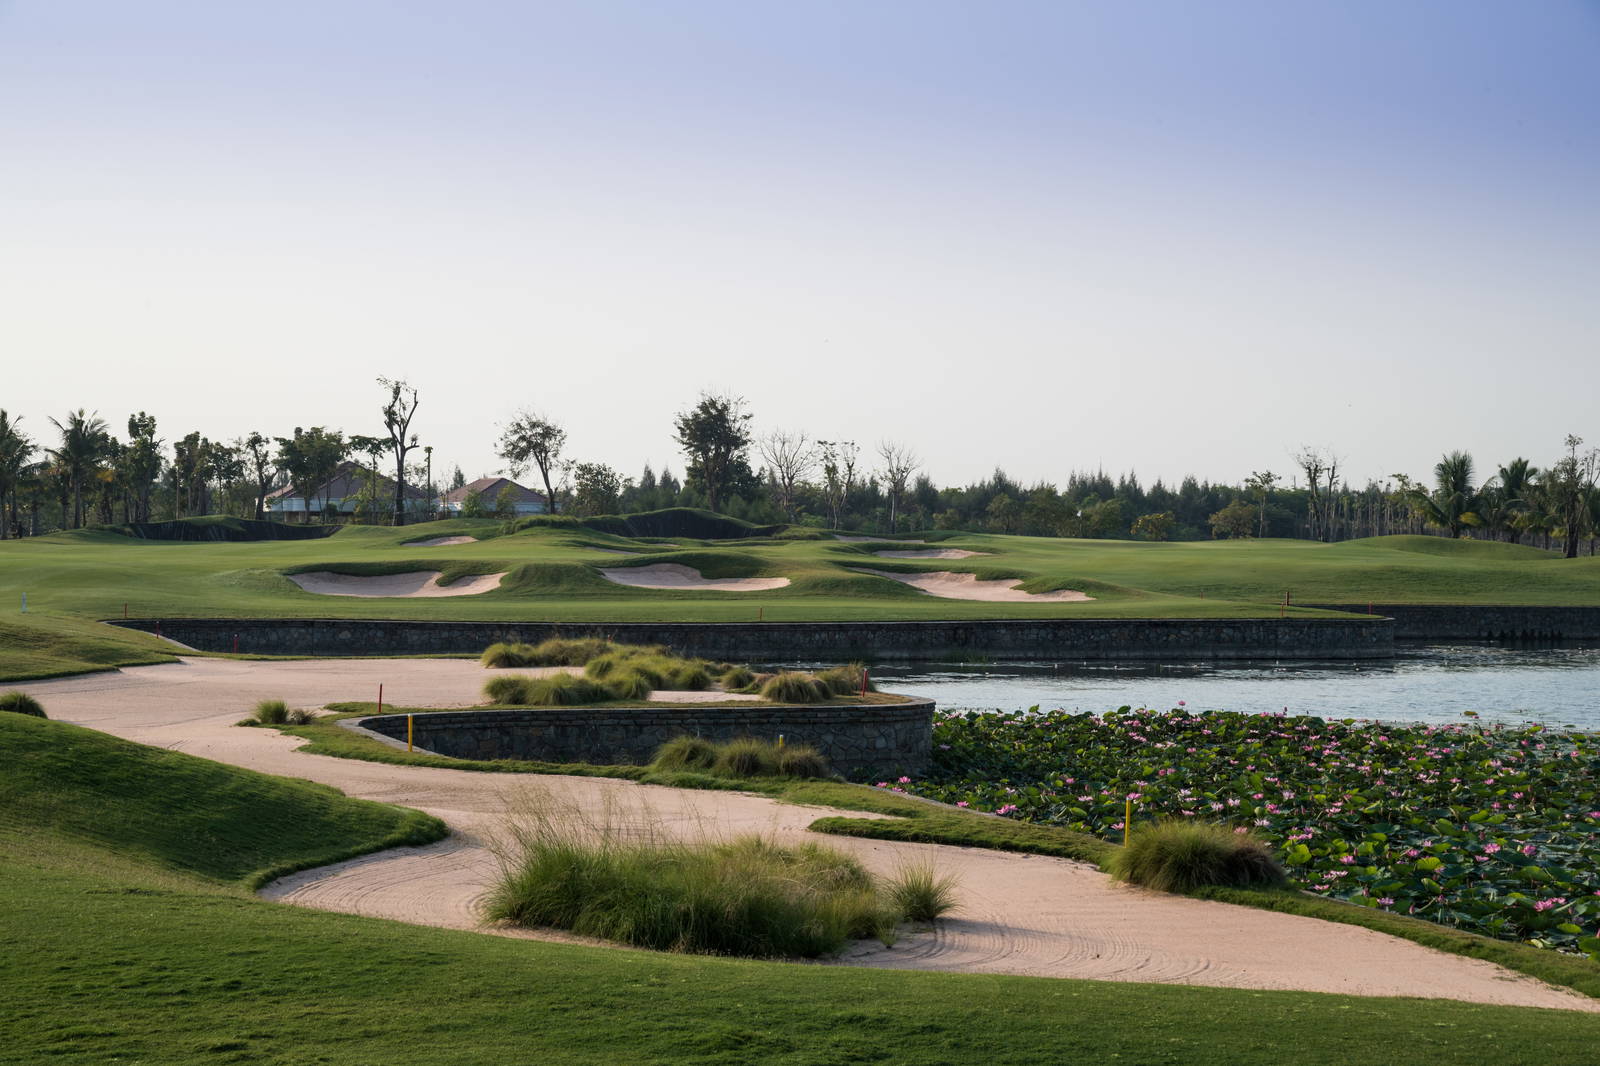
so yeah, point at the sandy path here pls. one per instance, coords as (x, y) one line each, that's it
(678, 576)
(439, 542)
(932, 553)
(949, 585)
(1019, 914)
(418, 583)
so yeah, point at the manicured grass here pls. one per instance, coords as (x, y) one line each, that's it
(38, 645)
(553, 575)
(120, 953)
(181, 812)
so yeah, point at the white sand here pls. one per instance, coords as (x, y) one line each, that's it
(1020, 914)
(676, 576)
(417, 583)
(439, 542)
(932, 553)
(952, 586)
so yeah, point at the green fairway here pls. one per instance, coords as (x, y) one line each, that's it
(553, 575)
(135, 943)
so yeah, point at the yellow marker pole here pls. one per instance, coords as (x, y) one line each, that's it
(780, 741)
(1127, 821)
(408, 734)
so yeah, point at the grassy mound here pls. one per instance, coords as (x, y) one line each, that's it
(182, 812)
(1181, 856)
(46, 645)
(21, 703)
(218, 527)
(673, 522)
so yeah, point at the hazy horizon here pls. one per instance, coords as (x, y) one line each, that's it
(1044, 237)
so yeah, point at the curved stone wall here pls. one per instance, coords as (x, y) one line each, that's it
(856, 740)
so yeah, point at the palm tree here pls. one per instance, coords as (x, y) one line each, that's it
(83, 440)
(15, 448)
(1516, 484)
(1450, 505)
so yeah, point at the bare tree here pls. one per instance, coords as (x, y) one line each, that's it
(790, 457)
(397, 416)
(1321, 468)
(899, 463)
(838, 474)
(533, 438)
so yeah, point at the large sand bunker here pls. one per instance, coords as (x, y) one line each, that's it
(416, 583)
(439, 542)
(677, 576)
(932, 553)
(953, 586)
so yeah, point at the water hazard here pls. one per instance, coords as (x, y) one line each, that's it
(1556, 686)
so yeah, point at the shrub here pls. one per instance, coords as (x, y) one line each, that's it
(629, 685)
(921, 894)
(21, 703)
(747, 896)
(735, 678)
(271, 712)
(508, 688)
(685, 753)
(747, 757)
(564, 690)
(688, 677)
(1181, 856)
(801, 760)
(845, 680)
(502, 655)
(791, 686)
(558, 651)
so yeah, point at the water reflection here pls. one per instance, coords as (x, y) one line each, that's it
(1556, 686)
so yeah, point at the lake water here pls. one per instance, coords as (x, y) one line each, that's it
(1556, 686)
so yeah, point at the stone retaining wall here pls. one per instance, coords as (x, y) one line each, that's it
(871, 739)
(1063, 639)
(1502, 623)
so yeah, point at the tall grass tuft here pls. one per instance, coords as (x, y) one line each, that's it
(629, 685)
(21, 703)
(921, 894)
(508, 688)
(801, 760)
(565, 690)
(747, 896)
(791, 686)
(747, 757)
(276, 712)
(845, 680)
(689, 677)
(735, 677)
(1178, 855)
(686, 753)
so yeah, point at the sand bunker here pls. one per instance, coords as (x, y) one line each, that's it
(416, 583)
(439, 542)
(953, 586)
(615, 551)
(932, 553)
(676, 576)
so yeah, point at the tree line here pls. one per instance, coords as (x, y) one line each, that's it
(91, 476)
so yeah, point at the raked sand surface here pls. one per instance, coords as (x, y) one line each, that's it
(949, 585)
(1019, 914)
(932, 553)
(439, 542)
(418, 583)
(678, 576)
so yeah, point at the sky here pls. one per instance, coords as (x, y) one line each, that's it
(1166, 237)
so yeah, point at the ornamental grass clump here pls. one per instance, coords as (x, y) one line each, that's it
(276, 712)
(747, 757)
(564, 690)
(508, 688)
(792, 686)
(686, 753)
(629, 685)
(21, 703)
(921, 893)
(742, 757)
(1180, 856)
(845, 680)
(746, 896)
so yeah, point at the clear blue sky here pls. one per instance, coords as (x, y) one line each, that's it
(1173, 237)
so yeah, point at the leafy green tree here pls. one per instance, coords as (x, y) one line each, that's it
(1003, 512)
(83, 443)
(309, 460)
(261, 466)
(596, 489)
(141, 462)
(1234, 522)
(472, 506)
(1517, 484)
(715, 435)
(1568, 485)
(1154, 526)
(531, 438)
